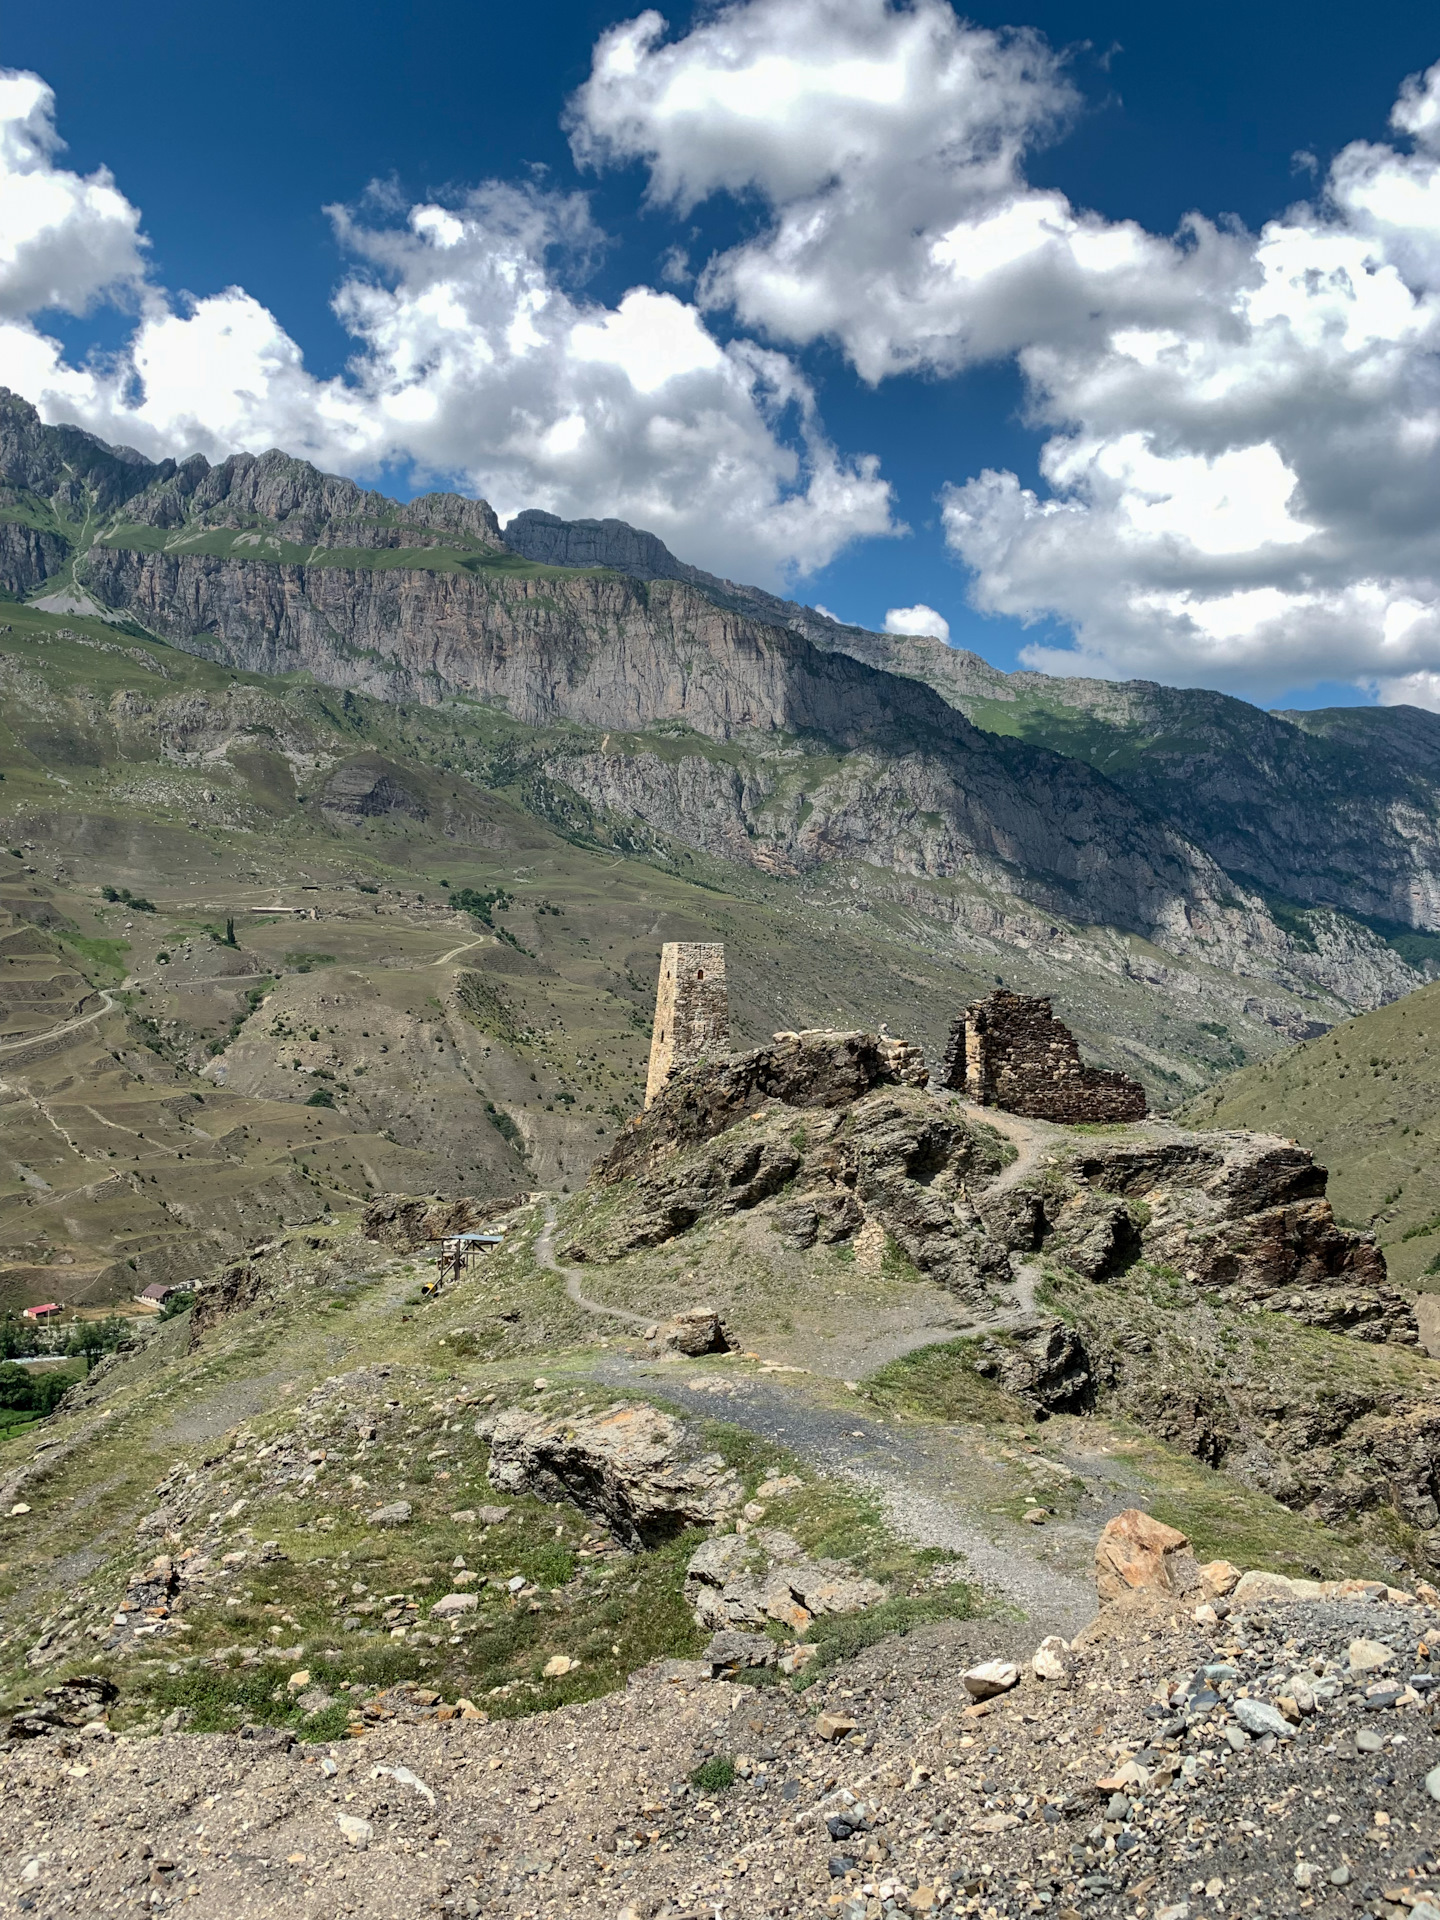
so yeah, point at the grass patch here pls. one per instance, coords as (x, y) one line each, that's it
(940, 1383)
(840, 1636)
(104, 958)
(715, 1775)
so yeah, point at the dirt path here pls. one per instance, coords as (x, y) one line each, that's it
(545, 1257)
(464, 947)
(1031, 1138)
(9, 1049)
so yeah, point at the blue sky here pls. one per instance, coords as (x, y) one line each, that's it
(231, 136)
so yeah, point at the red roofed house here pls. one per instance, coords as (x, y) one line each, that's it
(47, 1312)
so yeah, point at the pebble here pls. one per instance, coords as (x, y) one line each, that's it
(1368, 1656)
(1258, 1717)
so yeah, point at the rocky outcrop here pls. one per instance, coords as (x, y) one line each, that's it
(744, 1580)
(630, 1467)
(819, 1069)
(371, 788)
(893, 1159)
(1041, 1360)
(1243, 1215)
(403, 1221)
(232, 1290)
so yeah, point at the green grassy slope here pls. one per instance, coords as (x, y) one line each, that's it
(1365, 1099)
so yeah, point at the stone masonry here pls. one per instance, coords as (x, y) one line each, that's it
(692, 1010)
(1009, 1051)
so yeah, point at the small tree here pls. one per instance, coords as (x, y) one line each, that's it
(90, 1338)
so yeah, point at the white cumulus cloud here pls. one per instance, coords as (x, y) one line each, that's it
(1242, 468)
(64, 240)
(475, 363)
(886, 143)
(918, 619)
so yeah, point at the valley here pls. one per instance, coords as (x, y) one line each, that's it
(339, 839)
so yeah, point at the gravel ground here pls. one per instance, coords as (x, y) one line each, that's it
(1129, 1787)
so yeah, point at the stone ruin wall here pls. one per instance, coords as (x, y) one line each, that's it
(1011, 1052)
(692, 1010)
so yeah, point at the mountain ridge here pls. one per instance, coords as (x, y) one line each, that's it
(267, 565)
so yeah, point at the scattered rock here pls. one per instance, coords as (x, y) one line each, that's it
(357, 1832)
(834, 1726)
(1049, 1660)
(396, 1514)
(403, 1777)
(558, 1665)
(1369, 1656)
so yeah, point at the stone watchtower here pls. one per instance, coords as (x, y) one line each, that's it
(692, 1010)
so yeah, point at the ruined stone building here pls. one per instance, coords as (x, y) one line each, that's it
(1009, 1051)
(692, 1010)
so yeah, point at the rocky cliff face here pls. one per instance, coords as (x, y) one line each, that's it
(1335, 808)
(920, 791)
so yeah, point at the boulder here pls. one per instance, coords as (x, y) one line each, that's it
(630, 1467)
(1219, 1577)
(732, 1652)
(1139, 1554)
(1254, 1589)
(396, 1514)
(697, 1330)
(453, 1605)
(990, 1678)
